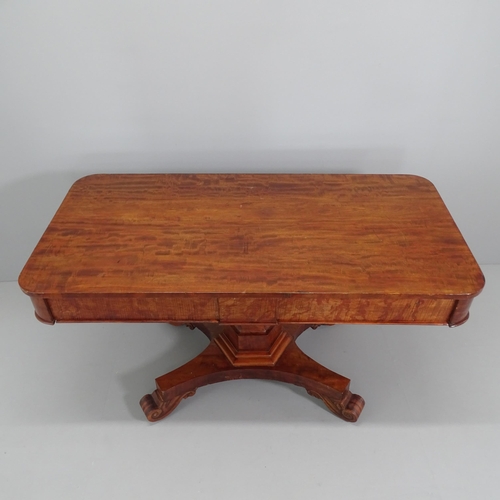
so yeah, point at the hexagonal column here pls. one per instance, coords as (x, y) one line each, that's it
(253, 345)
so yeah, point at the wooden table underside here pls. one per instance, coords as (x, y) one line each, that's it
(252, 261)
(252, 351)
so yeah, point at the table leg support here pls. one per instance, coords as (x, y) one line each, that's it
(249, 351)
(156, 408)
(348, 408)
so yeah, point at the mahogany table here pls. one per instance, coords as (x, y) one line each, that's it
(252, 261)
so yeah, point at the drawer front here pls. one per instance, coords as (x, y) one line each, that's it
(133, 308)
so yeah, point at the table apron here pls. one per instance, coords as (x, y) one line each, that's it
(307, 308)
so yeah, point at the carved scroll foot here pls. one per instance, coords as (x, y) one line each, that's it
(348, 408)
(155, 408)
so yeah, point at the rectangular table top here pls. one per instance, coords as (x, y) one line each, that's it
(254, 235)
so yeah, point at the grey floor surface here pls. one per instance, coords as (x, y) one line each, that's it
(71, 426)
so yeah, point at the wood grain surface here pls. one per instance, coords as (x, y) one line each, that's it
(289, 248)
(252, 261)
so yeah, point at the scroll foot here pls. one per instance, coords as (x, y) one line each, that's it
(155, 408)
(348, 408)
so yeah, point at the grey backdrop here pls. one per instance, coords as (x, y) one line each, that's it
(248, 86)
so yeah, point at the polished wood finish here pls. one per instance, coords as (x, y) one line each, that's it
(253, 256)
